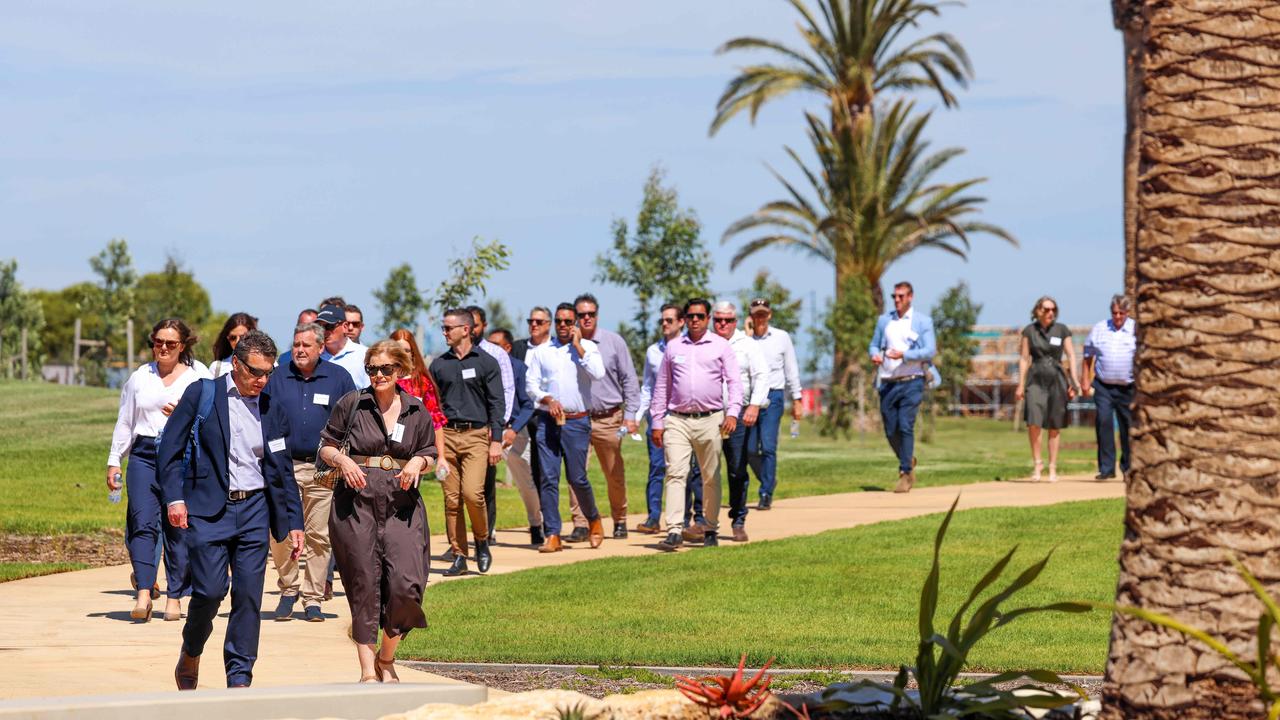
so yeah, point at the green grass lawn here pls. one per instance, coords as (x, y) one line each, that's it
(17, 571)
(54, 443)
(841, 599)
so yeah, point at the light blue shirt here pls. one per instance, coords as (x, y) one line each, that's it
(1112, 351)
(350, 358)
(244, 422)
(652, 363)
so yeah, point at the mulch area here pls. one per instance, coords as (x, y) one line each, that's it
(588, 684)
(96, 550)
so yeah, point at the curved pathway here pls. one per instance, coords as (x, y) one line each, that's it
(70, 634)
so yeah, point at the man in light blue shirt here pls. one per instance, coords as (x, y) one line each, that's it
(1108, 377)
(339, 348)
(902, 347)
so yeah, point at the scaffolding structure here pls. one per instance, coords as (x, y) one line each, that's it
(990, 390)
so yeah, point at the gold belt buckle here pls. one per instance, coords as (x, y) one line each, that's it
(386, 462)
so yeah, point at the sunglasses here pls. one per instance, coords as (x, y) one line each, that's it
(670, 321)
(537, 323)
(565, 321)
(166, 344)
(447, 328)
(726, 321)
(388, 370)
(587, 314)
(256, 372)
(1049, 309)
(355, 324)
(900, 296)
(695, 316)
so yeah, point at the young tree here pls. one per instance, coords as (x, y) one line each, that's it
(953, 319)
(845, 331)
(468, 274)
(499, 316)
(663, 260)
(19, 310)
(172, 292)
(399, 299)
(117, 282)
(60, 309)
(786, 312)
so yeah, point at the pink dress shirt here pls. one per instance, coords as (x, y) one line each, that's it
(692, 377)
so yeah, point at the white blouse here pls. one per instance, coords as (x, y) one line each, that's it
(221, 367)
(142, 402)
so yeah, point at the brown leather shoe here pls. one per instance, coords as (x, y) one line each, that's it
(187, 672)
(595, 532)
(905, 481)
(739, 533)
(694, 533)
(648, 529)
(551, 544)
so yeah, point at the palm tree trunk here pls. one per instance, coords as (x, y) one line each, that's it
(1128, 19)
(1204, 476)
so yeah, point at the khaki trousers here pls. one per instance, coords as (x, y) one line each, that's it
(607, 446)
(467, 453)
(682, 438)
(520, 474)
(316, 500)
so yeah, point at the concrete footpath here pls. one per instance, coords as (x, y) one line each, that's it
(70, 634)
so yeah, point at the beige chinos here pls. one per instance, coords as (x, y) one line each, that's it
(316, 500)
(683, 438)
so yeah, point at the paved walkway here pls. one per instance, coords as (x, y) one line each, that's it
(70, 634)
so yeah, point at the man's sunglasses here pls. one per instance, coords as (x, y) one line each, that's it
(388, 370)
(695, 316)
(670, 321)
(166, 344)
(447, 328)
(591, 314)
(565, 321)
(256, 372)
(537, 322)
(900, 296)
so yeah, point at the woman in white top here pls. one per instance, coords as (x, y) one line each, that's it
(236, 327)
(148, 397)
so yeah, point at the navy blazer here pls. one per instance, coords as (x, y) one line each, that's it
(524, 404)
(206, 484)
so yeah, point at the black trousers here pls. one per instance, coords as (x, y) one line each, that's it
(1114, 409)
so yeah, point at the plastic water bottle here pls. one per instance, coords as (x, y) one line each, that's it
(114, 495)
(795, 428)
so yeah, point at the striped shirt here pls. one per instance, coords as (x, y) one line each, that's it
(1113, 351)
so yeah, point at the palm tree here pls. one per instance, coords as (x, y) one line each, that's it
(850, 55)
(1206, 465)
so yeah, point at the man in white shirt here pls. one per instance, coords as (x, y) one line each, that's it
(753, 370)
(339, 348)
(559, 382)
(784, 379)
(901, 347)
(1108, 377)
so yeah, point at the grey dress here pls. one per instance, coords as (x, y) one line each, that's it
(1046, 396)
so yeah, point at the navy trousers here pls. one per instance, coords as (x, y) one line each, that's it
(1114, 403)
(899, 403)
(146, 521)
(735, 462)
(568, 443)
(237, 538)
(762, 443)
(657, 479)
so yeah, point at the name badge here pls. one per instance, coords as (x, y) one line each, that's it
(912, 337)
(397, 435)
(679, 359)
(468, 373)
(320, 399)
(1055, 341)
(276, 445)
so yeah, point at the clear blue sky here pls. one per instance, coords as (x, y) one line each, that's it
(291, 150)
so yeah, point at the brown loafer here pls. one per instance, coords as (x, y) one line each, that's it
(595, 532)
(551, 544)
(648, 529)
(905, 481)
(694, 533)
(739, 533)
(187, 672)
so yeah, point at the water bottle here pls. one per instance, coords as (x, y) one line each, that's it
(795, 428)
(114, 495)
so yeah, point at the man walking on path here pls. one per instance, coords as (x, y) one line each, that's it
(615, 398)
(1108, 377)
(672, 319)
(695, 405)
(339, 348)
(561, 375)
(902, 347)
(471, 395)
(784, 379)
(232, 493)
(515, 440)
(480, 338)
(307, 388)
(754, 375)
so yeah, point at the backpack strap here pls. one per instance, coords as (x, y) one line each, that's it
(202, 413)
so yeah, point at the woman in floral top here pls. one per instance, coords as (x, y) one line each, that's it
(420, 385)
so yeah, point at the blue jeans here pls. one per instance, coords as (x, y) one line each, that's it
(658, 474)
(1114, 402)
(762, 444)
(568, 442)
(899, 403)
(146, 523)
(735, 461)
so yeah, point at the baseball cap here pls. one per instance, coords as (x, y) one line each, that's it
(331, 315)
(760, 305)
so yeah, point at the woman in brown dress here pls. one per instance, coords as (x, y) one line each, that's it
(377, 522)
(1043, 382)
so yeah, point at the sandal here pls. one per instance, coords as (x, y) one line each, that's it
(1035, 475)
(386, 670)
(1053, 473)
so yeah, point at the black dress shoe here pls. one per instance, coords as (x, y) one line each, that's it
(459, 567)
(620, 530)
(484, 559)
(493, 539)
(1105, 476)
(535, 537)
(710, 540)
(672, 542)
(579, 534)
(766, 502)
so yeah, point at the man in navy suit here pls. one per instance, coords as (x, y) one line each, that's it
(235, 487)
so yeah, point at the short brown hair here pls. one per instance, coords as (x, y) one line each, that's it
(391, 349)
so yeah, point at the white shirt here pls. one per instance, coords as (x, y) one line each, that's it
(556, 370)
(141, 403)
(244, 456)
(752, 368)
(652, 363)
(351, 358)
(898, 336)
(508, 376)
(220, 367)
(780, 354)
(1113, 351)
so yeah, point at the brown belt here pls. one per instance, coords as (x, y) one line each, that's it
(602, 414)
(382, 462)
(575, 416)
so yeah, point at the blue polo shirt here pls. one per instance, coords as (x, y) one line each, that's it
(308, 401)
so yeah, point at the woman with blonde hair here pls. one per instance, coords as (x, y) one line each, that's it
(420, 384)
(377, 523)
(1043, 383)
